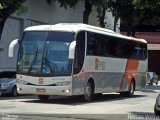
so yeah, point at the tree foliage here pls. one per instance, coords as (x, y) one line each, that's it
(120, 9)
(67, 3)
(102, 7)
(88, 4)
(134, 12)
(1, 7)
(8, 7)
(148, 9)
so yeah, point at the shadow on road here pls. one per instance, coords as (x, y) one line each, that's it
(8, 97)
(78, 100)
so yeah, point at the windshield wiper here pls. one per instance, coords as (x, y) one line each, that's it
(33, 60)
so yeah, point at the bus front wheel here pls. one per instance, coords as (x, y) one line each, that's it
(131, 89)
(88, 93)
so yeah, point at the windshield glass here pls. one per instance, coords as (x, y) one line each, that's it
(45, 53)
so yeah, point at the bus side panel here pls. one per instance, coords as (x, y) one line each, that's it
(104, 82)
(78, 83)
(141, 75)
(107, 74)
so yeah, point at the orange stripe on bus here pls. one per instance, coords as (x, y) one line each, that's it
(130, 70)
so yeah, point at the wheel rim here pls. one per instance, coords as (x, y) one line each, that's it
(88, 92)
(132, 88)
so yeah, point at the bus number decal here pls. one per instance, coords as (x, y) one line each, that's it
(99, 65)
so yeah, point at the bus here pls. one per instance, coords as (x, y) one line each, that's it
(69, 59)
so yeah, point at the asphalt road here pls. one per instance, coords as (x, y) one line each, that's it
(107, 107)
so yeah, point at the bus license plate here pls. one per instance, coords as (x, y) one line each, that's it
(40, 90)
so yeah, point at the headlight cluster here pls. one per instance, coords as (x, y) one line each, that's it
(63, 83)
(22, 82)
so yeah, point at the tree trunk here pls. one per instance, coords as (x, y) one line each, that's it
(115, 21)
(102, 24)
(87, 11)
(131, 23)
(133, 31)
(129, 30)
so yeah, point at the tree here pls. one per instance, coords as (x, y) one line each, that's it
(120, 9)
(8, 7)
(71, 3)
(143, 12)
(148, 9)
(88, 4)
(102, 7)
(134, 12)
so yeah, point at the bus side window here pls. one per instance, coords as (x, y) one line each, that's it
(91, 48)
(79, 52)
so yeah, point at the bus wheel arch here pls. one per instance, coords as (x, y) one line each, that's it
(89, 90)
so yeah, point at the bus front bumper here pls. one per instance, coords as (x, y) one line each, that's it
(43, 90)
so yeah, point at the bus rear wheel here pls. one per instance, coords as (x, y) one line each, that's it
(88, 93)
(43, 97)
(130, 92)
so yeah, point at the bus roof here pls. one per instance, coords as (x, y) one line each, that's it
(75, 27)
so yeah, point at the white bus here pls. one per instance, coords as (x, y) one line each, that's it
(78, 59)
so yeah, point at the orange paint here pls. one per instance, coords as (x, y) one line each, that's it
(131, 69)
(96, 61)
(40, 80)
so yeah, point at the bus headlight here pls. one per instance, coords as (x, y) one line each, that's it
(22, 82)
(63, 83)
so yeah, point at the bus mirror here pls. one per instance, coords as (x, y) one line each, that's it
(72, 50)
(12, 46)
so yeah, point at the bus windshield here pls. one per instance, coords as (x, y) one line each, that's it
(45, 53)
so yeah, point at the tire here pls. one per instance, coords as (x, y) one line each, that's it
(130, 91)
(156, 112)
(88, 93)
(14, 92)
(43, 97)
(156, 81)
(151, 83)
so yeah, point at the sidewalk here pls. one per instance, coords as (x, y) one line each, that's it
(152, 88)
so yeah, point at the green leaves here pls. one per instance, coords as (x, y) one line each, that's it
(67, 3)
(8, 7)
(22, 10)
(1, 7)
